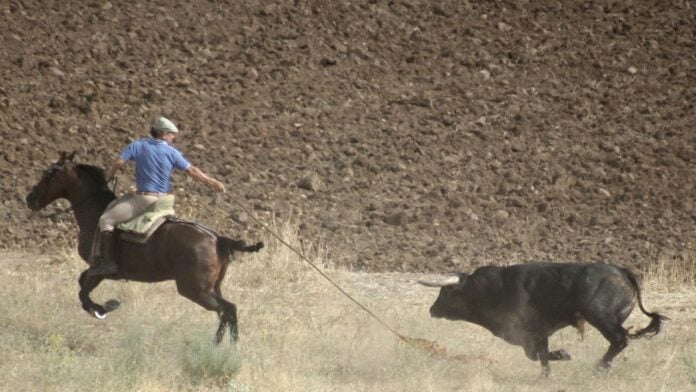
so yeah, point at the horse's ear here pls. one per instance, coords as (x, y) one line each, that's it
(72, 156)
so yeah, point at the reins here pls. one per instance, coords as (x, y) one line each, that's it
(79, 203)
(56, 213)
(431, 347)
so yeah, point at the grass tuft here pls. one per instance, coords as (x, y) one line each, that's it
(132, 360)
(204, 362)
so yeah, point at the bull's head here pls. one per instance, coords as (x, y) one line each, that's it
(451, 303)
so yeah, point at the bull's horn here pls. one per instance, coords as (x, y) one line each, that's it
(441, 282)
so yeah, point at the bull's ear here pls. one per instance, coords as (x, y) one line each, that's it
(440, 281)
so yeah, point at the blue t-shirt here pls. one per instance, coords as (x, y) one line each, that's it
(155, 160)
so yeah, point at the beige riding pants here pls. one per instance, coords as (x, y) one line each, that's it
(129, 206)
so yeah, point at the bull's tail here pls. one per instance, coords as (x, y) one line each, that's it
(226, 246)
(656, 323)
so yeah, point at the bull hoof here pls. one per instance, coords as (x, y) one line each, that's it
(602, 368)
(559, 355)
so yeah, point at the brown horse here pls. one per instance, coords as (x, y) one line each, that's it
(194, 256)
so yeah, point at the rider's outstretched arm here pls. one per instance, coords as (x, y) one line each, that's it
(206, 179)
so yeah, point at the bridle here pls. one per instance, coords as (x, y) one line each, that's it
(56, 167)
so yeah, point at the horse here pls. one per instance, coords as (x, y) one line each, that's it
(194, 256)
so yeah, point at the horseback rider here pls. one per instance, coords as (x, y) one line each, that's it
(155, 160)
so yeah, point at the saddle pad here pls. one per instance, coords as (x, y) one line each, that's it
(141, 238)
(141, 224)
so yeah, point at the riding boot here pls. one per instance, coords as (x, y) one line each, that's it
(105, 261)
(95, 255)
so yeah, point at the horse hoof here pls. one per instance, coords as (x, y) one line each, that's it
(98, 315)
(111, 305)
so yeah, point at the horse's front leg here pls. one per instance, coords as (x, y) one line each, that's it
(88, 282)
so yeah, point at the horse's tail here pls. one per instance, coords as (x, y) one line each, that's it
(654, 327)
(226, 246)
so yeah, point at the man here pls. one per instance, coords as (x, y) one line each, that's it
(155, 160)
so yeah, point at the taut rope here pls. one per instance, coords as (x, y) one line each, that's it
(430, 347)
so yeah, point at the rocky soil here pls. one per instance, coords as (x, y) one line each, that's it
(403, 135)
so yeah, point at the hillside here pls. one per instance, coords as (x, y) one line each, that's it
(401, 135)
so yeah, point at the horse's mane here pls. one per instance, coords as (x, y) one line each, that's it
(95, 173)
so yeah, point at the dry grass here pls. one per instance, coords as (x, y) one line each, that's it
(300, 334)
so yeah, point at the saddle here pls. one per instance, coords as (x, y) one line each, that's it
(139, 229)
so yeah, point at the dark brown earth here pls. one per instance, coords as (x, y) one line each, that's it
(404, 135)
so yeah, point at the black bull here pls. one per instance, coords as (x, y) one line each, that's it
(525, 304)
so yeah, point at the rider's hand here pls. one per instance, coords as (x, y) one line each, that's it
(218, 186)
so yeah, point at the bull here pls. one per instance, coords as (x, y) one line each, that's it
(525, 304)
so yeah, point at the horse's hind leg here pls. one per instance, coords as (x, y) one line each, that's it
(211, 300)
(229, 312)
(229, 317)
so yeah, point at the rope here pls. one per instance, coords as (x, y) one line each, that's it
(430, 347)
(298, 253)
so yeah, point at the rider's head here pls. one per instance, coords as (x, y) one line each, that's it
(162, 126)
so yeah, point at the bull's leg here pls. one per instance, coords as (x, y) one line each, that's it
(615, 334)
(541, 344)
(530, 351)
(537, 348)
(618, 341)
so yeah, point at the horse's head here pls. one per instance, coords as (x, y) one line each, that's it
(53, 183)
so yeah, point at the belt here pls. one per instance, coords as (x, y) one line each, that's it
(150, 193)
